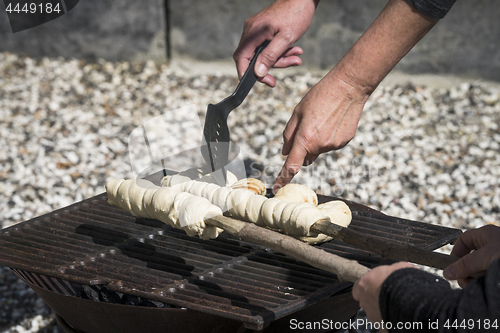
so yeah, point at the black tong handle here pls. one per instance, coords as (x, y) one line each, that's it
(245, 85)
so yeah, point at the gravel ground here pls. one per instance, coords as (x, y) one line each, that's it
(428, 154)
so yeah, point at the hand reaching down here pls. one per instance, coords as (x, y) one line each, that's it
(326, 119)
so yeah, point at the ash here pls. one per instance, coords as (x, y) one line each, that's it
(422, 153)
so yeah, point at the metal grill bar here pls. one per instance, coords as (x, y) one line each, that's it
(93, 243)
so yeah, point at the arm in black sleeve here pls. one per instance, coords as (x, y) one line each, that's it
(411, 295)
(436, 9)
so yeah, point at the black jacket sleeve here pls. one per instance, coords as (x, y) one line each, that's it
(433, 8)
(411, 295)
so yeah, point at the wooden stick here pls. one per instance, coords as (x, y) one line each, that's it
(390, 250)
(345, 269)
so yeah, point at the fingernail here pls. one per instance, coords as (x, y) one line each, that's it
(261, 70)
(449, 273)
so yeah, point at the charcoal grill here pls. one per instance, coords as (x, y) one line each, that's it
(225, 284)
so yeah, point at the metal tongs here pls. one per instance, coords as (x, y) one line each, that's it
(215, 148)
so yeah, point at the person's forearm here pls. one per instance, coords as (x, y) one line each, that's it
(419, 297)
(388, 39)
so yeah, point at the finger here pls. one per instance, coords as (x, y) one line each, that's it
(246, 50)
(268, 80)
(241, 66)
(242, 61)
(464, 282)
(270, 55)
(291, 167)
(356, 292)
(289, 58)
(289, 133)
(400, 265)
(309, 159)
(285, 62)
(474, 262)
(466, 243)
(293, 51)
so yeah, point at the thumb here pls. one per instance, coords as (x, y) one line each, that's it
(469, 264)
(270, 55)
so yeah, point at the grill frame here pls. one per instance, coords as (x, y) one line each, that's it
(224, 277)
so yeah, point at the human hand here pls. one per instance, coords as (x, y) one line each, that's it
(282, 23)
(325, 119)
(367, 289)
(478, 248)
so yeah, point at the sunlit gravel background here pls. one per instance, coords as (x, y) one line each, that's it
(425, 154)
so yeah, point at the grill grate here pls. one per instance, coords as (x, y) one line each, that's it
(93, 243)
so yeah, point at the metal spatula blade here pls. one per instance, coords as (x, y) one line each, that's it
(215, 147)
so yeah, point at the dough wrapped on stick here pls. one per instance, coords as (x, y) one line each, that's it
(236, 202)
(178, 209)
(297, 193)
(252, 184)
(338, 212)
(291, 211)
(195, 174)
(188, 212)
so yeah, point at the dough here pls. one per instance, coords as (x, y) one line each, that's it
(252, 184)
(266, 213)
(123, 199)
(321, 238)
(252, 209)
(278, 210)
(192, 214)
(297, 193)
(112, 189)
(136, 195)
(185, 176)
(286, 214)
(147, 201)
(303, 217)
(209, 190)
(196, 188)
(173, 180)
(177, 209)
(162, 204)
(220, 196)
(188, 211)
(236, 202)
(231, 178)
(338, 212)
